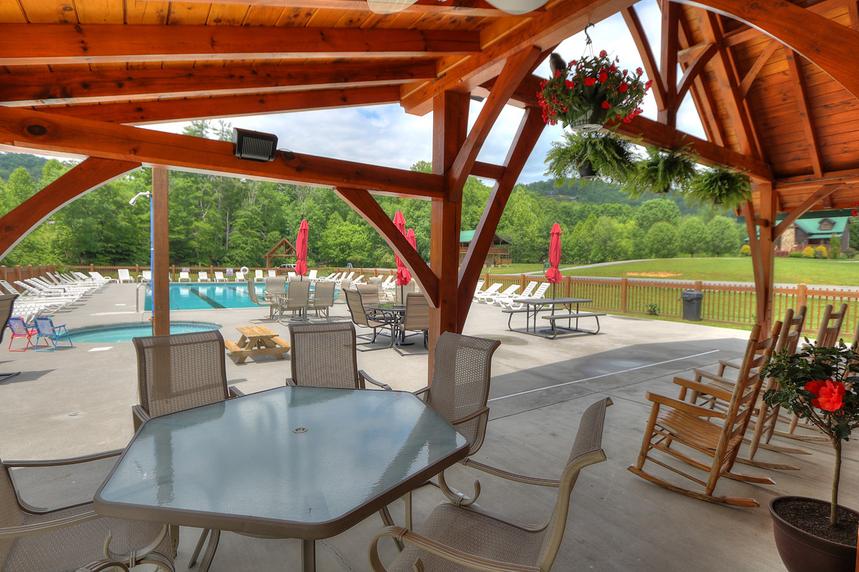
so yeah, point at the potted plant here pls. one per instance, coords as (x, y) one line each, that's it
(660, 172)
(721, 187)
(589, 155)
(821, 386)
(591, 93)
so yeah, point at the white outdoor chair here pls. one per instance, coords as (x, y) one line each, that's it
(124, 276)
(506, 301)
(313, 274)
(240, 276)
(488, 293)
(184, 276)
(219, 276)
(258, 276)
(145, 276)
(506, 293)
(271, 273)
(203, 276)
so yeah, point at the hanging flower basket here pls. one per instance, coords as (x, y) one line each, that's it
(592, 93)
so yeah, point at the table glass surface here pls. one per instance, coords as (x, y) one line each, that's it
(388, 307)
(292, 454)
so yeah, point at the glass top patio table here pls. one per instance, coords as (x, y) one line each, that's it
(290, 462)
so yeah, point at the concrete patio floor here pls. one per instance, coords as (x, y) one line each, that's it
(77, 401)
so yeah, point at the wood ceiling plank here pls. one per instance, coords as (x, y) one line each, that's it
(10, 11)
(263, 15)
(805, 118)
(50, 11)
(757, 66)
(458, 8)
(146, 12)
(100, 11)
(227, 14)
(188, 13)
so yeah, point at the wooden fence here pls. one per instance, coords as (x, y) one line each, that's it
(723, 303)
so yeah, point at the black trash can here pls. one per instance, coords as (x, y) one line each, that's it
(692, 305)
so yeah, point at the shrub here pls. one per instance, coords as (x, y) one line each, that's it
(745, 250)
(722, 236)
(692, 235)
(821, 252)
(652, 309)
(661, 241)
(808, 252)
(795, 254)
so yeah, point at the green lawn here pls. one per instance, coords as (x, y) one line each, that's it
(519, 268)
(787, 270)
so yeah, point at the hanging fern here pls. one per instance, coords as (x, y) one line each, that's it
(660, 172)
(719, 186)
(589, 154)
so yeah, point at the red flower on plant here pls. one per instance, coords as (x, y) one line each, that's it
(854, 212)
(569, 84)
(829, 395)
(557, 73)
(603, 53)
(603, 76)
(647, 84)
(605, 105)
(623, 88)
(639, 71)
(590, 81)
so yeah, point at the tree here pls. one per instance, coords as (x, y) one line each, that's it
(692, 236)
(654, 211)
(661, 240)
(608, 241)
(723, 236)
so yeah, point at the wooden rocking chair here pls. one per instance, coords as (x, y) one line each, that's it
(674, 422)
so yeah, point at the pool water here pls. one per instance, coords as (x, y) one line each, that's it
(124, 332)
(195, 296)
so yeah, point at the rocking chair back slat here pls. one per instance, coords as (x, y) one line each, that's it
(830, 326)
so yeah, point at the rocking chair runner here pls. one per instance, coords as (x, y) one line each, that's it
(674, 422)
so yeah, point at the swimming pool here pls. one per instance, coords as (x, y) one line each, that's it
(196, 296)
(124, 332)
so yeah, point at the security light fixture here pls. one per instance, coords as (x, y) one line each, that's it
(517, 6)
(254, 145)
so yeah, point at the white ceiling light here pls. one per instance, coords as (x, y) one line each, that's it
(517, 6)
(389, 6)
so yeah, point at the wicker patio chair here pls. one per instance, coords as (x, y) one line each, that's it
(675, 422)
(323, 297)
(369, 293)
(459, 538)
(325, 355)
(297, 299)
(416, 318)
(7, 303)
(178, 372)
(359, 316)
(73, 537)
(252, 292)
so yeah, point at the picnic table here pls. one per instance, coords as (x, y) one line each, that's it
(531, 307)
(256, 341)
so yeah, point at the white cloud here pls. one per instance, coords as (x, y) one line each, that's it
(386, 135)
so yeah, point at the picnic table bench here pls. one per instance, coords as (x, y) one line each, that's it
(256, 341)
(531, 307)
(573, 316)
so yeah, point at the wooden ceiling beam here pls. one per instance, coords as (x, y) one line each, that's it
(187, 108)
(461, 8)
(757, 66)
(800, 93)
(488, 170)
(820, 194)
(27, 44)
(843, 176)
(61, 85)
(52, 132)
(701, 95)
(693, 70)
(543, 29)
(636, 30)
(668, 61)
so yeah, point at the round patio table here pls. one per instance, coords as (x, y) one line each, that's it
(391, 313)
(290, 462)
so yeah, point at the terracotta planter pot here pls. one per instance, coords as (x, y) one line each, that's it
(801, 551)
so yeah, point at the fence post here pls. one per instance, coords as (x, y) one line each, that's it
(801, 295)
(698, 285)
(624, 295)
(569, 281)
(521, 281)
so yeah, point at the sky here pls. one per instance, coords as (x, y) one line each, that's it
(387, 135)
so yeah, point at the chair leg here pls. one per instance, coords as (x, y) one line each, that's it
(194, 555)
(209, 556)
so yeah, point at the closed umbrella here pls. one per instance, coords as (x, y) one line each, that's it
(553, 275)
(301, 249)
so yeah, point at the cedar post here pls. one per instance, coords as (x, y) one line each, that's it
(161, 243)
(624, 295)
(764, 290)
(801, 295)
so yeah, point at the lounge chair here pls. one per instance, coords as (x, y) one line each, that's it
(675, 424)
(348, 277)
(490, 297)
(51, 333)
(488, 293)
(184, 276)
(219, 276)
(258, 276)
(98, 277)
(271, 273)
(198, 377)
(466, 538)
(505, 301)
(7, 302)
(240, 276)
(478, 286)
(359, 280)
(512, 304)
(312, 275)
(145, 276)
(203, 276)
(123, 276)
(20, 330)
(389, 283)
(59, 295)
(291, 276)
(323, 297)
(325, 355)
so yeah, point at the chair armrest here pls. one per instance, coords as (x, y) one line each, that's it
(704, 388)
(9, 532)
(291, 382)
(104, 565)
(139, 415)
(235, 391)
(422, 393)
(696, 410)
(713, 377)
(731, 364)
(62, 462)
(443, 551)
(363, 375)
(528, 480)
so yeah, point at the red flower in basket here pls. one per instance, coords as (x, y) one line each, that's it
(569, 84)
(639, 71)
(623, 88)
(603, 76)
(603, 53)
(829, 395)
(590, 81)
(605, 105)
(854, 212)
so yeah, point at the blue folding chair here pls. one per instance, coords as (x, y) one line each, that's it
(52, 334)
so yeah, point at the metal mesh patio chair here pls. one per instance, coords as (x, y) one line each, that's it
(325, 355)
(252, 292)
(369, 293)
(456, 538)
(323, 297)
(73, 537)
(416, 318)
(359, 316)
(7, 303)
(178, 372)
(297, 299)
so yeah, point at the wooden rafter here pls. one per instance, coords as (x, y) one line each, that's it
(61, 85)
(52, 132)
(800, 92)
(24, 44)
(365, 205)
(693, 69)
(819, 195)
(759, 63)
(701, 94)
(668, 61)
(85, 176)
(141, 112)
(471, 8)
(523, 144)
(636, 30)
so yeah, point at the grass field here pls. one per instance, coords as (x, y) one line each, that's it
(519, 268)
(787, 270)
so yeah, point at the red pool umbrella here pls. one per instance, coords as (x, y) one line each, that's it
(403, 274)
(301, 249)
(553, 275)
